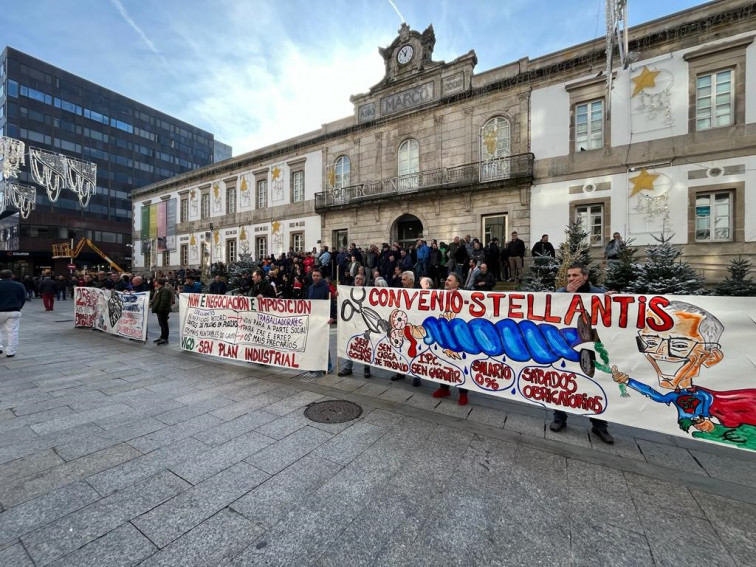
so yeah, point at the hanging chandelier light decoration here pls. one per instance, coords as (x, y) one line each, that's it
(52, 171)
(49, 170)
(22, 197)
(82, 179)
(12, 156)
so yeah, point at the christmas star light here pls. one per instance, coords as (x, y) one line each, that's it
(646, 79)
(644, 181)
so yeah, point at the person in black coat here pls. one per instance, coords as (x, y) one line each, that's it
(543, 247)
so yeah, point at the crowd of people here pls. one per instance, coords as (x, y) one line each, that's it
(464, 263)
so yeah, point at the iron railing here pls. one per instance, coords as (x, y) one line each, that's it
(518, 167)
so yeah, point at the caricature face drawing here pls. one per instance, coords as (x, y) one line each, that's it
(678, 353)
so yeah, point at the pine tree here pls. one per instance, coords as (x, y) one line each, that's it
(541, 275)
(664, 273)
(576, 249)
(245, 263)
(623, 271)
(739, 283)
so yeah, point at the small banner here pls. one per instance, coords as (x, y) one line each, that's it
(114, 312)
(161, 233)
(145, 223)
(170, 223)
(292, 333)
(681, 365)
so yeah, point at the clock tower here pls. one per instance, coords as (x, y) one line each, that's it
(409, 53)
(412, 79)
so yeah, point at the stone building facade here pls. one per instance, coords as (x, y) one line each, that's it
(669, 148)
(435, 151)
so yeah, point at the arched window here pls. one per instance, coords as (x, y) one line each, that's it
(495, 148)
(341, 169)
(408, 164)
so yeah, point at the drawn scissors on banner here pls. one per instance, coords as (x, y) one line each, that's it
(372, 319)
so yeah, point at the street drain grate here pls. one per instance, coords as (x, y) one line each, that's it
(333, 411)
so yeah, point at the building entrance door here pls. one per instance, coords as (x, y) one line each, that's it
(495, 226)
(339, 239)
(408, 229)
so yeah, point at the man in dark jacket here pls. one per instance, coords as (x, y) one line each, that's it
(161, 306)
(485, 280)
(218, 287)
(516, 253)
(261, 287)
(12, 299)
(492, 254)
(138, 285)
(577, 282)
(321, 290)
(47, 289)
(544, 248)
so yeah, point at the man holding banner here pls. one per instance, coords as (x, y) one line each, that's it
(346, 367)
(161, 306)
(321, 290)
(577, 282)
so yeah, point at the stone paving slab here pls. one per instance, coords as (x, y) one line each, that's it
(177, 516)
(31, 487)
(221, 457)
(123, 547)
(276, 457)
(144, 466)
(33, 514)
(16, 556)
(213, 542)
(73, 531)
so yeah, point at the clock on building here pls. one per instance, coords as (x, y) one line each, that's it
(405, 55)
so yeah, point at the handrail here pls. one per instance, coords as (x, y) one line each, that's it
(518, 166)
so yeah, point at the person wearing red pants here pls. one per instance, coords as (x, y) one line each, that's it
(47, 289)
(452, 283)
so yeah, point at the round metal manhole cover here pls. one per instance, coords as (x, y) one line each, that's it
(333, 411)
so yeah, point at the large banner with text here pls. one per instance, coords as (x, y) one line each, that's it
(123, 314)
(681, 365)
(292, 333)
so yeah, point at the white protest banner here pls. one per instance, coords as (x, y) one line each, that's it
(280, 332)
(682, 365)
(114, 312)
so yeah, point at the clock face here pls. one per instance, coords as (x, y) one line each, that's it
(405, 54)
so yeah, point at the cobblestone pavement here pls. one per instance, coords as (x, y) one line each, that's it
(114, 452)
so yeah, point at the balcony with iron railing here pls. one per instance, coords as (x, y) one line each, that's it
(517, 169)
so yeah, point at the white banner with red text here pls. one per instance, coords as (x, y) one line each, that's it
(291, 333)
(118, 313)
(682, 365)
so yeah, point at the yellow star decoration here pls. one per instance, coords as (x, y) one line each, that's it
(216, 190)
(276, 172)
(646, 79)
(243, 234)
(216, 235)
(276, 226)
(644, 181)
(191, 194)
(244, 184)
(193, 240)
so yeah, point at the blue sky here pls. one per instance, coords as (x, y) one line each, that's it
(256, 72)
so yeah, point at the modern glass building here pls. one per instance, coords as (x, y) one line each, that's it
(132, 144)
